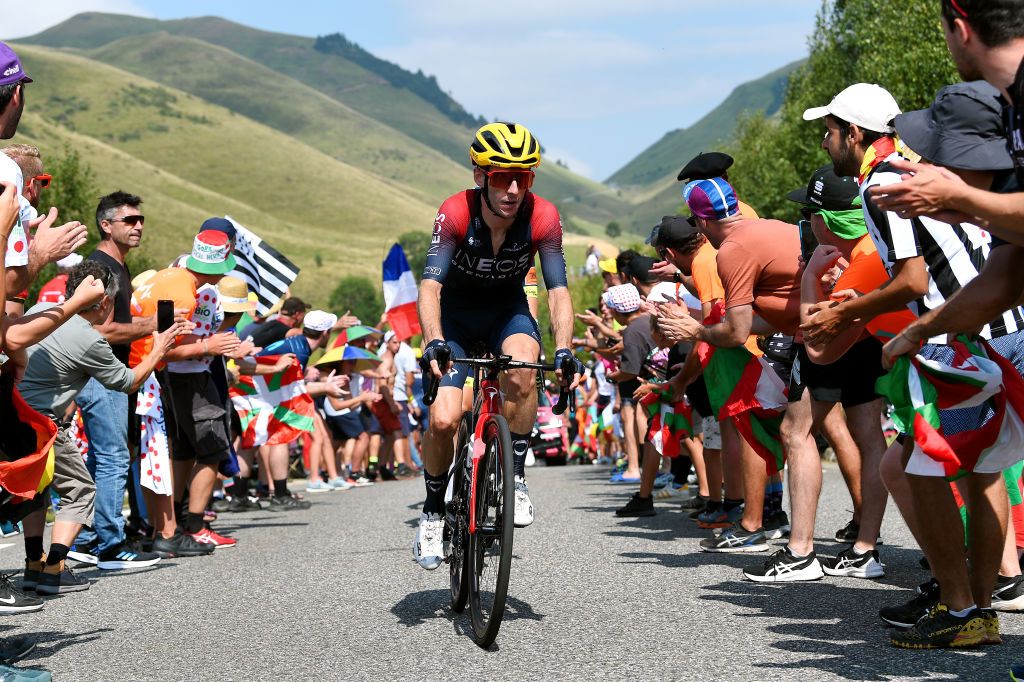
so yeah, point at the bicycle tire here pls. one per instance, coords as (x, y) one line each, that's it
(497, 459)
(458, 557)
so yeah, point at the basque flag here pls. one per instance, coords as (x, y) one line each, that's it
(400, 295)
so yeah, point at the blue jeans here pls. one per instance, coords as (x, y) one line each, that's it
(105, 414)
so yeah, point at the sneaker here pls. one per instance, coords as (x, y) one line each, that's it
(1008, 595)
(180, 544)
(991, 619)
(720, 518)
(319, 487)
(122, 557)
(784, 567)
(244, 504)
(220, 505)
(387, 475)
(523, 515)
(33, 571)
(671, 491)
(288, 503)
(359, 481)
(208, 537)
(848, 534)
(14, 601)
(905, 615)
(940, 629)
(58, 579)
(339, 483)
(776, 526)
(427, 547)
(695, 504)
(9, 528)
(84, 553)
(637, 506)
(736, 540)
(852, 564)
(664, 479)
(11, 674)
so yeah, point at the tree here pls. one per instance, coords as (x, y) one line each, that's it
(415, 243)
(853, 41)
(358, 295)
(613, 229)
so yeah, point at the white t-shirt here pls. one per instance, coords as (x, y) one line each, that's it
(17, 243)
(604, 387)
(591, 266)
(353, 391)
(405, 361)
(207, 317)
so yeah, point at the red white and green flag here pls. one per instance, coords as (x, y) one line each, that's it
(669, 421)
(919, 389)
(747, 390)
(274, 408)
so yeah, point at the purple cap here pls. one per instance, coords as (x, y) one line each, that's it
(11, 70)
(711, 199)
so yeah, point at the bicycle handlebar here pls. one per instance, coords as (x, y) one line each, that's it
(566, 397)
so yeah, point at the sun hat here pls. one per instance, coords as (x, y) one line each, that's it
(961, 129)
(608, 265)
(210, 254)
(319, 321)
(711, 199)
(234, 296)
(866, 105)
(623, 298)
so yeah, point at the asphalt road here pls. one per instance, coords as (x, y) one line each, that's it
(333, 593)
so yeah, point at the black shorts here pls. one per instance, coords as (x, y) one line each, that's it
(345, 426)
(850, 380)
(626, 390)
(466, 326)
(197, 423)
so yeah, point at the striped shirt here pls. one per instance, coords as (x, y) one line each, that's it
(953, 254)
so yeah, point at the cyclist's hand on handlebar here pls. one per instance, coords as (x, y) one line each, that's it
(437, 356)
(568, 369)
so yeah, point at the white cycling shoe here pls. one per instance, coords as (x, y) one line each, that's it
(523, 516)
(427, 548)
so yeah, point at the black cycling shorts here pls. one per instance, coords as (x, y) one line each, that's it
(850, 380)
(466, 327)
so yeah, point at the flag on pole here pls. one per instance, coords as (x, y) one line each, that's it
(274, 408)
(747, 390)
(400, 294)
(263, 268)
(977, 376)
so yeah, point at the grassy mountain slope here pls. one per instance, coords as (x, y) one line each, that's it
(214, 161)
(665, 157)
(248, 88)
(589, 203)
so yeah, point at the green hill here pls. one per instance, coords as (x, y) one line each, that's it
(195, 159)
(160, 50)
(667, 156)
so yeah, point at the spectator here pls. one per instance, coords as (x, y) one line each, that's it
(625, 302)
(591, 266)
(293, 310)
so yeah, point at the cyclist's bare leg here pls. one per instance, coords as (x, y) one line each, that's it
(520, 385)
(439, 440)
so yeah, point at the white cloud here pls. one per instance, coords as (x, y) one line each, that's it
(576, 165)
(28, 18)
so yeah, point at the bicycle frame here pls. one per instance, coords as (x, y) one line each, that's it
(487, 400)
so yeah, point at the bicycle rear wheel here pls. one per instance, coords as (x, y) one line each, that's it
(490, 547)
(457, 518)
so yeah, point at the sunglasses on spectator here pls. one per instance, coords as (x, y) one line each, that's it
(501, 180)
(131, 220)
(44, 179)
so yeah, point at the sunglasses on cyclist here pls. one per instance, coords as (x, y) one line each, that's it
(44, 180)
(130, 220)
(501, 180)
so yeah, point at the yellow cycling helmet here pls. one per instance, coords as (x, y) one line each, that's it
(505, 145)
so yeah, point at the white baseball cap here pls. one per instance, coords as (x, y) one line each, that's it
(69, 261)
(319, 321)
(866, 105)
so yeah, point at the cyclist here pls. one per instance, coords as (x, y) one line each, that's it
(483, 244)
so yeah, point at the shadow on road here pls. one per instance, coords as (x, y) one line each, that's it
(420, 607)
(50, 642)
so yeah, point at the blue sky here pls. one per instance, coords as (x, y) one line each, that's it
(596, 80)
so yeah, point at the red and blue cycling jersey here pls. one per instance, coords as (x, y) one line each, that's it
(461, 255)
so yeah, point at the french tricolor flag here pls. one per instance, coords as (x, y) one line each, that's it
(400, 294)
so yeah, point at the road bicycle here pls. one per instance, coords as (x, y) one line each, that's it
(478, 524)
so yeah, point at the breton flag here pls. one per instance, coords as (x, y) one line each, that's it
(263, 268)
(747, 390)
(400, 295)
(919, 389)
(273, 408)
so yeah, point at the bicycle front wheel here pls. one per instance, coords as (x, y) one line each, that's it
(490, 547)
(457, 517)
